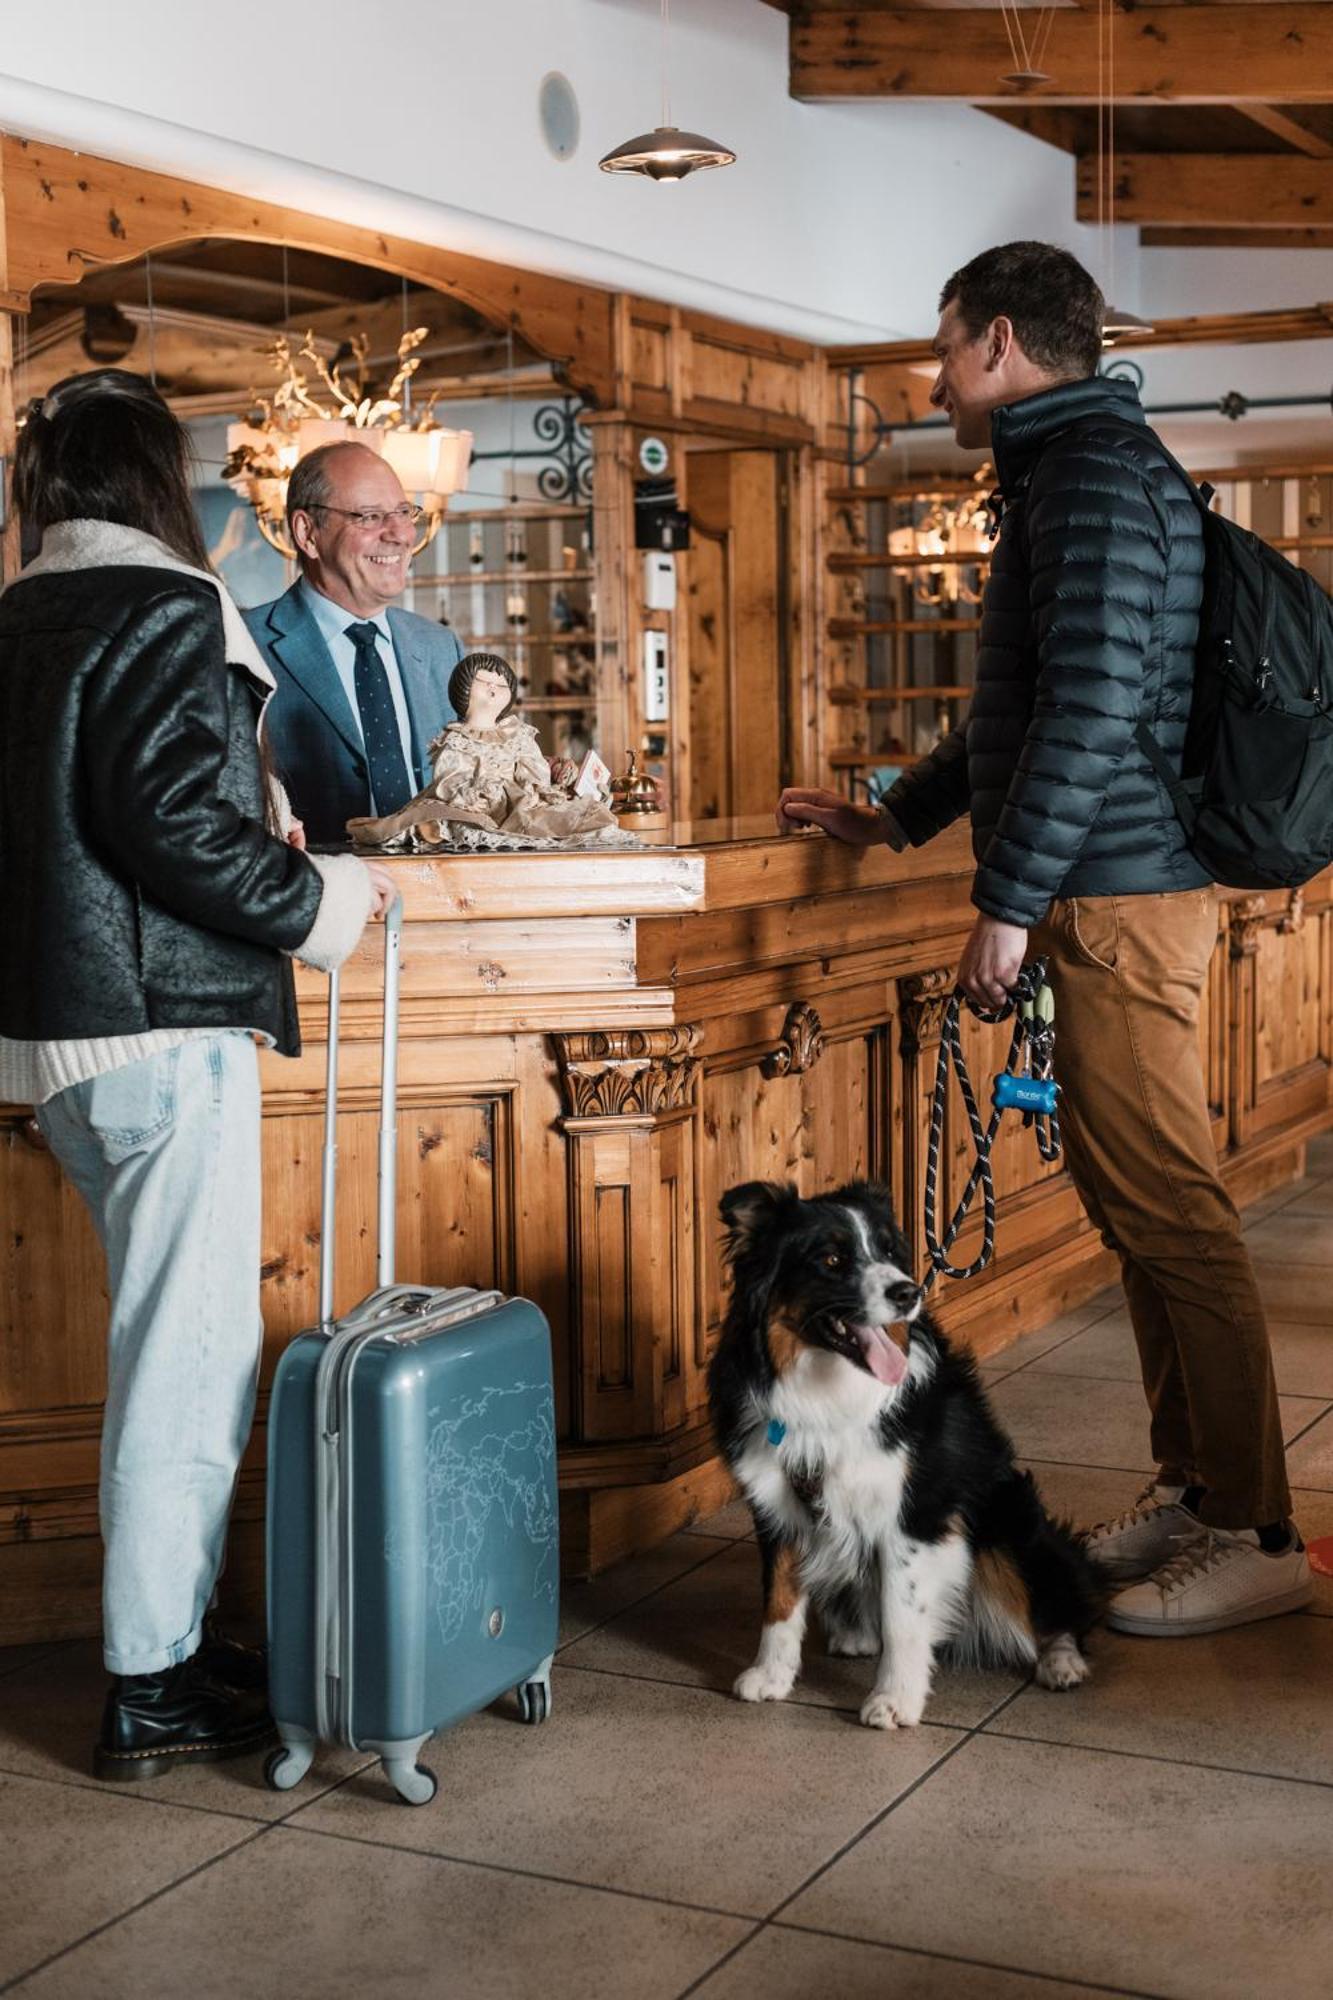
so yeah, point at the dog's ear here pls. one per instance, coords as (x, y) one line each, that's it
(749, 1209)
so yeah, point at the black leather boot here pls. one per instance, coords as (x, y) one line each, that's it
(229, 1660)
(153, 1722)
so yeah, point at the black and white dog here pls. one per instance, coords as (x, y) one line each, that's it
(882, 1487)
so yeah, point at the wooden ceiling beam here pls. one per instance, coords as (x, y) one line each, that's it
(1225, 54)
(1283, 127)
(1261, 190)
(1236, 239)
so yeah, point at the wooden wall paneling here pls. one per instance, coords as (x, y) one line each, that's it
(1291, 1074)
(632, 1193)
(841, 1113)
(541, 1211)
(757, 718)
(749, 380)
(630, 1101)
(801, 581)
(53, 1291)
(709, 631)
(736, 634)
(455, 1211)
(619, 674)
(752, 1130)
(922, 999)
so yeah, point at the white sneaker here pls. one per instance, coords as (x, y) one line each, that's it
(1217, 1577)
(1144, 1537)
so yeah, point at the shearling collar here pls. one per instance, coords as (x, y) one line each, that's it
(76, 545)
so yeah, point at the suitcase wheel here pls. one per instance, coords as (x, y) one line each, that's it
(286, 1767)
(534, 1700)
(414, 1783)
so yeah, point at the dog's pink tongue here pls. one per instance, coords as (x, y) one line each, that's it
(884, 1358)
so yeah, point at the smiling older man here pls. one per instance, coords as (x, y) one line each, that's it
(362, 688)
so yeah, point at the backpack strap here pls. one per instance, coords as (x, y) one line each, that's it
(1184, 793)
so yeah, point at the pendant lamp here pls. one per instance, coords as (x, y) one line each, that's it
(666, 153)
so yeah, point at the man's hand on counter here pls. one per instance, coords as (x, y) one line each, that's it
(858, 826)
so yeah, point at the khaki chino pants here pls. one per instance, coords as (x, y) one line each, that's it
(1127, 973)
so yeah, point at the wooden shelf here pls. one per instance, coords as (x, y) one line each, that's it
(476, 640)
(518, 574)
(943, 489)
(855, 560)
(1295, 542)
(518, 511)
(856, 628)
(856, 760)
(849, 696)
(557, 701)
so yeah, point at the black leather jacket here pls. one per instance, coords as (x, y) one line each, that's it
(1089, 621)
(138, 886)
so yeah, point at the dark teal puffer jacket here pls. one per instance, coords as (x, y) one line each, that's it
(1089, 623)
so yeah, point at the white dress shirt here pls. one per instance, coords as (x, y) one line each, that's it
(333, 622)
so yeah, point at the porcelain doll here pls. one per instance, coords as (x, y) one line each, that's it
(492, 784)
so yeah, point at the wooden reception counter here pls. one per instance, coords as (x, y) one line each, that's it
(593, 1048)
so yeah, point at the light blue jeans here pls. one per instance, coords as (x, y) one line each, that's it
(166, 1154)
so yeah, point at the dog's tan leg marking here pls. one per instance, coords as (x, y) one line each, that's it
(1060, 1664)
(784, 1588)
(778, 1660)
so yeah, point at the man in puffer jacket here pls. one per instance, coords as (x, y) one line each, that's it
(1089, 625)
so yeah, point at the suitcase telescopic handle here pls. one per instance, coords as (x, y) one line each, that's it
(388, 1140)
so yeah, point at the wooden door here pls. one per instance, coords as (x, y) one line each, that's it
(735, 581)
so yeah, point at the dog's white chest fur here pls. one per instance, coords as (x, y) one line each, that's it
(829, 1413)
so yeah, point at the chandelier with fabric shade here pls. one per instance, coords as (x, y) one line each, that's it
(431, 461)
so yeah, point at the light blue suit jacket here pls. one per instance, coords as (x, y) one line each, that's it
(309, 722)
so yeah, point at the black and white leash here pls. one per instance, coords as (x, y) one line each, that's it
(1025, 1084)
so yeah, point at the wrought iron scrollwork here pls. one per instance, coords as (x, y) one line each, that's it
(568, 477)
(565, 447)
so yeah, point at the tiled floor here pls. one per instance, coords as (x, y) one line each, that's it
(1166, 1830)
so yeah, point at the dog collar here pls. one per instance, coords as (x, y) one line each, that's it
(777, 1430)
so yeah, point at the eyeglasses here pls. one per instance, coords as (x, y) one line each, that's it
(373, 517)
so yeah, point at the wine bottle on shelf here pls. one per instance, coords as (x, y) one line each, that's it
(516, 610)
(516, 548)
(476, 552)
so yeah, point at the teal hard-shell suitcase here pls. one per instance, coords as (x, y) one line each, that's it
(413, 1552)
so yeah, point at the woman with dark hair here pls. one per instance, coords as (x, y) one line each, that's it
(150, 916)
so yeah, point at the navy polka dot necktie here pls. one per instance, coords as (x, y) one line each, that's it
(390, 782)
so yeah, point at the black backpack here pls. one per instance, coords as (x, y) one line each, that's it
(1255, 790)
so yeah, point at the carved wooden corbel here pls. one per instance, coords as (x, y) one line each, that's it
(1247, 915)
(621, 1072)
(800, 1045)
(922, 1000)
(1293, 918)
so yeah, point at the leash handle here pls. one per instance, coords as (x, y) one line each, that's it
(1032, 1006)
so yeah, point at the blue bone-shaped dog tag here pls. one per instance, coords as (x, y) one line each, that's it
(777, 1430)
(1025, 1093)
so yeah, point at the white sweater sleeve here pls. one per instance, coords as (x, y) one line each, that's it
(343, 911)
